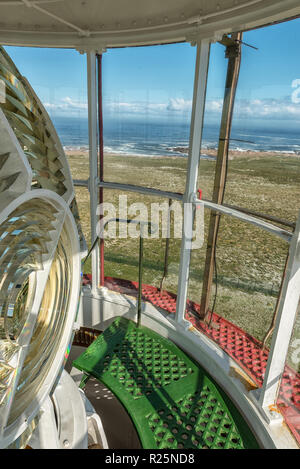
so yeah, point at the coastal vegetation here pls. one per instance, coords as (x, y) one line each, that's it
(250, 262)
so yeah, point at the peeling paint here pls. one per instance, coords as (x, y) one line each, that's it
(243, 378)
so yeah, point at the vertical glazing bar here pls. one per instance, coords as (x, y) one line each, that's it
(101, 161)
(93, 160)
(139, 311)
(200, 83)
(166, 261)
(284, 325)
(233, 53)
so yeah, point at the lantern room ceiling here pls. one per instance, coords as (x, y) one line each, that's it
(102, 23)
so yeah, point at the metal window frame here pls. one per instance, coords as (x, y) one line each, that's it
(93, 160)
(291, 289)
(197, 119)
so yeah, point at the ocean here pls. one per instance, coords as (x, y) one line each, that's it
(170, 139)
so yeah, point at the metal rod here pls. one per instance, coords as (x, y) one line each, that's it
(248, 45)
(166, 261)
(284, 324)
(81, 182)
(178, 196)
(93, 160)
(141, 190)
(139, 308)
(197, 119)
(233, 53)
(275, 230)
(101, 162)
(264, 216)
(151, 229)
(271, 328)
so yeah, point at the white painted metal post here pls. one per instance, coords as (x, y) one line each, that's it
(284, 325)
(200, 83)
(93, 160)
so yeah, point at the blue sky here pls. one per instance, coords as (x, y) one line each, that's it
(157, 82)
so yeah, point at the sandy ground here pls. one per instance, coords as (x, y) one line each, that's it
(233, 154)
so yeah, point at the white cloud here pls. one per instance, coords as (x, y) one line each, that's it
(214, 106)
(71, 106)
(283, 109)
(68, 106)
(145, 107)
(179, 104)
(272, 109)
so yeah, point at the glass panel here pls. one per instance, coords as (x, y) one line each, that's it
(207, 163)
(146, 137)
(264, 167)
(263, 172)
(121, 251)
(147, 114)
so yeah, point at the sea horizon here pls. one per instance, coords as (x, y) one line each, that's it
(172, 139)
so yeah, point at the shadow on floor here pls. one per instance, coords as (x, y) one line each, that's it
(118, 427)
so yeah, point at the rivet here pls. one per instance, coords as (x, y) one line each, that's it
(66, 443)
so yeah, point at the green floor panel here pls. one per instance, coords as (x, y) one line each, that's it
(170, 398)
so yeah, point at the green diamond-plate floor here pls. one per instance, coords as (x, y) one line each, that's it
(170, 398)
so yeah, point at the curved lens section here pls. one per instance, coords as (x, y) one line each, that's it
(28, 342)
(36, 136)
(48, 331)
(27, 120)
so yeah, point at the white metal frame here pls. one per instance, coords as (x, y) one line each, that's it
(93, 159)
(200, 83)
(211, 20)
(290, 297)
(63, 422)
(20, 424)
(284, 325)
(266, 397)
